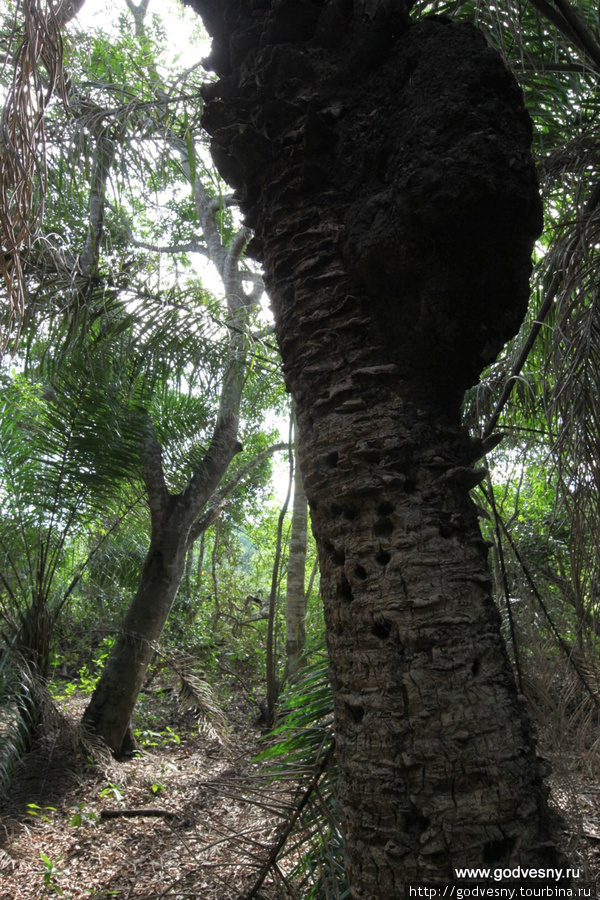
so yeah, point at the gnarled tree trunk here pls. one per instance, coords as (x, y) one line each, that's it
(385, 168)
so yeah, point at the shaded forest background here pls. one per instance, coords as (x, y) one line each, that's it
(135, 333)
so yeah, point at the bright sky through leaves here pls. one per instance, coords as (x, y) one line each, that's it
(186, 35)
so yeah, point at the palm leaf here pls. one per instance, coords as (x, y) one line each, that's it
(196, 694)
(299, 748)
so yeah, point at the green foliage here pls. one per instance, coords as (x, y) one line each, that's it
(87, 676)
(165, 738)
(61, 484)
(51, 871)
(40, 812)
(83, 816)
(114, 791)
(122, 338)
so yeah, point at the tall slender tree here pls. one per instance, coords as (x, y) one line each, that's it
(295, 596)
(127, 124)
(385, 166)
(178, 517)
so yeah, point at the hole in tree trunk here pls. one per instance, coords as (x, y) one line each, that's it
(415, 822)
(360, 572)
(497, 851)
(356, 713)
(381, 630)
(331, 459)
(338, 557)
(383, 527)
(345, 589)
(383, 557)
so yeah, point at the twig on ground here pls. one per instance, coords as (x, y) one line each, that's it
(131, 813)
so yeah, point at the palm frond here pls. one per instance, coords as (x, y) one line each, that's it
(37, 73)
(26, 707)
(299, 747)
(16, 719)
(196, 694)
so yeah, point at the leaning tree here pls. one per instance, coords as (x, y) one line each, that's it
(384, 165)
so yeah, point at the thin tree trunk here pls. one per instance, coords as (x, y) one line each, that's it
(105, 157)
(200, 566)
(176, 520)
(273, 683)
(215, 581)
(173, 518)
(385, 167)
(115, 696)
(295, 597)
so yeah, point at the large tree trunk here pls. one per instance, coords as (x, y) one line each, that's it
(385, 167)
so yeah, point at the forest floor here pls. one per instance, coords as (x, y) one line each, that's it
(224, 815)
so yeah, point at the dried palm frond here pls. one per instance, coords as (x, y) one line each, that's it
(303, 746)
(14, 730)
(26, 708)
(195, 693)
(37, 75)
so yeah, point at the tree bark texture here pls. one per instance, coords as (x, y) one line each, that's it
(385, 167)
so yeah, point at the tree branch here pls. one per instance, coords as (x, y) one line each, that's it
(105, 155)
(220, 499)
(131, 813)
(154, 476)
(139, 13)
(580, 29)
(192, 246)
(218, 202)
(67, 10)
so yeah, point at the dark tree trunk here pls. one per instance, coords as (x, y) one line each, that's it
(385, 168)
(109, 711)
(175, 520)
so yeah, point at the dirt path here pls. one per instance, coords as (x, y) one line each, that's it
(225, 816)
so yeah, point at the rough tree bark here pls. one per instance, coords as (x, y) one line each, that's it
(385, 168)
